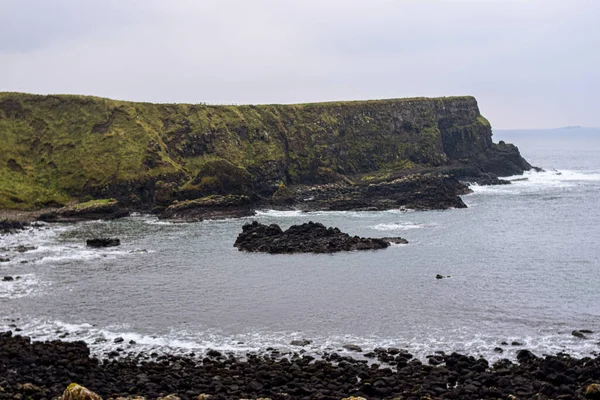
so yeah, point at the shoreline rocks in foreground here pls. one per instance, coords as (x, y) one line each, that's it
(42, 370)
(309, 237)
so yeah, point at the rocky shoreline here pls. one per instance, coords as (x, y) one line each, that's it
(42, 370)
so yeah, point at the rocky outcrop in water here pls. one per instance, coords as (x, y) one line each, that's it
(306, 238)
(210, 207)
(42, 370)
(105, 209)
(103, 242)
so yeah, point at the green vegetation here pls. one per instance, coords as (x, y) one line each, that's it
(58, 148)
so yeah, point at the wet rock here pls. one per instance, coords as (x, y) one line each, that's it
(8, 226)
(4, 259)
(353, 347)
(23, 249)
(8, 279)
(515, 343)
(306, 238)
(579, 334)
(300, 342)
(498, 350)
(214, 353)
(78, 392)
(119, 340)
(103, 242)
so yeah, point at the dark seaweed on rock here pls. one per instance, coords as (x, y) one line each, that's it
(310, 237)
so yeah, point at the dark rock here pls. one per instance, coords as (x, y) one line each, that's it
(395, 240)
(515, 343)
(8, 279)
(23, 249)
(353, 347)
(438, 276)
(119, 340)
(579, 334)
(306, 238)
(4, 259)
(498, 350)
(103, 242)
(300, 342)
(214, 353)
(9, 226)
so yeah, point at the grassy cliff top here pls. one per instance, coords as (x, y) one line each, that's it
(58, 148)
(333, 103)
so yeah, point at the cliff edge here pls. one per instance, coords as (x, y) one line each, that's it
(60, 148)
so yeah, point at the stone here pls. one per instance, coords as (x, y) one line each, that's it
(579, 334)
(353, 347)
(169, 397)
(8, 279)
(592, 391)
(300, 342)
(4, 259)
(77, 392)
(103, 242)
(31, 388)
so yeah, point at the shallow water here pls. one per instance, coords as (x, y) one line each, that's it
(523, 260)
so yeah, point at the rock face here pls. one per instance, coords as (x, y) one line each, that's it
(210, 207)
(306, 238)
(64, 147)
(105, 209)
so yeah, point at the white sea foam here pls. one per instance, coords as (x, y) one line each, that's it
(401, 226)
(279, 213)
(22, 285)
(101, 341)
(532, 181)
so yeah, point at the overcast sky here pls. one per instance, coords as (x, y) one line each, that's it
(530, 63)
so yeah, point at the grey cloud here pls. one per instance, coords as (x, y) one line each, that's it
(530, 63)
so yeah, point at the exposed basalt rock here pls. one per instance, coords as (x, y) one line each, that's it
(418, 192)
(306, 238)
(103, 242)
(210, 207)
(42, 370)
(201, 150)
(8, 226)
(92, 210)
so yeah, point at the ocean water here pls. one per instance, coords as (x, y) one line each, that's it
(523, 261)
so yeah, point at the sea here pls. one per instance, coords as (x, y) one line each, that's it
(521, 269)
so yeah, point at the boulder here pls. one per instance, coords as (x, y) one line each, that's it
(8, 279)
(592, 391)
(579, 334)
(353, 347)
(306, 238)
(103, 242)
(78, 392)
(300, 342)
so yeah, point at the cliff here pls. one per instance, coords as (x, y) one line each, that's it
(58, 148)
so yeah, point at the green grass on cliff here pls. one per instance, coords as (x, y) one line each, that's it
(58, 148)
